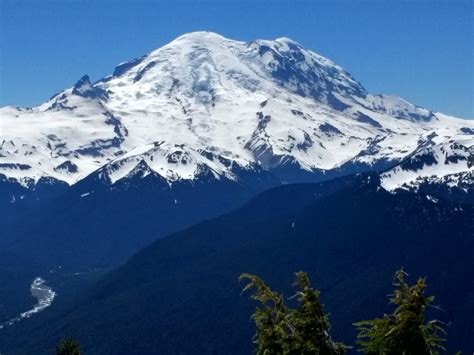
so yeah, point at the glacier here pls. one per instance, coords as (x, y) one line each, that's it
(207, 103)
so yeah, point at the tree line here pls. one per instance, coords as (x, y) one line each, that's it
(305, 330)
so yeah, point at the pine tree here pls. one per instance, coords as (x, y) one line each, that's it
(404, 331)
(310, 323)
(68, 346)
(281, 330)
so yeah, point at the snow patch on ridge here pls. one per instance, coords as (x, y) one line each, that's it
(172, 162)
(447, 161)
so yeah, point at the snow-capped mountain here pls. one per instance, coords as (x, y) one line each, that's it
(207, 104)
(447, 162)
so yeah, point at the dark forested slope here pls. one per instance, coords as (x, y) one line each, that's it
(181, 294)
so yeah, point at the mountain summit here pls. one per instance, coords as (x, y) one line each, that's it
(207, 102)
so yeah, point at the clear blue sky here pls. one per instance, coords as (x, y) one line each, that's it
(421, 50)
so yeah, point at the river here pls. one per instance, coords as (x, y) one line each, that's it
(44, 297)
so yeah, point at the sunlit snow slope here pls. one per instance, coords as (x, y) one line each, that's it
(450, 162)
(204, 102)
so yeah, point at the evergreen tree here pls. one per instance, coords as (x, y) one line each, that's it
(281, 330)
(404, 331)
(310, 323)
(68, 346)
